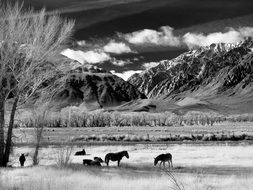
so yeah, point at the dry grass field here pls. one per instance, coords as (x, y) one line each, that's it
(222, 131)
(197, 165)
(210, 152)
(185, 156)
(52, 178)
(80, 126)
(209, 166)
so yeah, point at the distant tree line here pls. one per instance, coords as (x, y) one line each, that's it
(75, 117)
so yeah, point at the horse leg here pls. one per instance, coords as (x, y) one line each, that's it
(164, 164)
(118, 162)
(171, 163)
(160, 164)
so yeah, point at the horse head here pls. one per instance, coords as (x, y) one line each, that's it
(98, 159)
(155, 161)
(125, 153)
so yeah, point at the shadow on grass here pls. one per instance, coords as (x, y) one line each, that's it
(128, 170)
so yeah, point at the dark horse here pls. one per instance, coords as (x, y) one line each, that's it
(98, 159)
(164, 158)
(96, 162)
(115, 157)
(87, 161)
(80, 153)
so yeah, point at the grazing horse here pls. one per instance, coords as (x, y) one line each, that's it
(164, 158)
(80, 153)
(115, 157)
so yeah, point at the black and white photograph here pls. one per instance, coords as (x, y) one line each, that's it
(126, 94)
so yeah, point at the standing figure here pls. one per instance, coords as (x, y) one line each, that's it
(22, 160)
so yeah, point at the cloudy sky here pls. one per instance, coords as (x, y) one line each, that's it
(128, 36)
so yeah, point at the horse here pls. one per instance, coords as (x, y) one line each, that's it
(96, 162)
(80, 153)
(87, 162)
(98, 159)
(115, 157)
(163, 158)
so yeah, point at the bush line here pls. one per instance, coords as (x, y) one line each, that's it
(75, 117)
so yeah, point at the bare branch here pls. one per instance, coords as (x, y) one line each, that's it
(30, 41)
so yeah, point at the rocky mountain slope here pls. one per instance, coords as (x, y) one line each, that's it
(94, 88)
(220, 74)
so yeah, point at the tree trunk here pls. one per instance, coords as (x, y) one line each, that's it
(39, 132)
(2, 106)
(9, 133)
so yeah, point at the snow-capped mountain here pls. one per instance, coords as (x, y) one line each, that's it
(207, 73)
(193, 67)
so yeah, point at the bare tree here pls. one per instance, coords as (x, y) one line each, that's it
(30, 41)
(39, 118)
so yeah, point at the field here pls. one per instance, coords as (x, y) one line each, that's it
(43, 178)
(209, 152)
(221, 132)
(196, 166)
(185, 156)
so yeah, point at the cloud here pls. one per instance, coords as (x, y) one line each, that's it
(150, 65)
(100, 50)
(232, 36)
(96, 53)
(117, 47)
(246, 31)
(127, 74)
(92, 57)
(163, 37)
(82, 43)
(120, 63)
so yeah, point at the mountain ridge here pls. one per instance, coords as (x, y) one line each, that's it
(214, 73)
(94, 88)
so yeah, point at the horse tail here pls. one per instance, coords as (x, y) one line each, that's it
(171, 160)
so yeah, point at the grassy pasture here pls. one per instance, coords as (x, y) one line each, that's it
(197, 165)
(185, 156)
(76, 178)
(78, 125)
(221, 131)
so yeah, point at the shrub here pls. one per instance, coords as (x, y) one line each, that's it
(63, 156)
